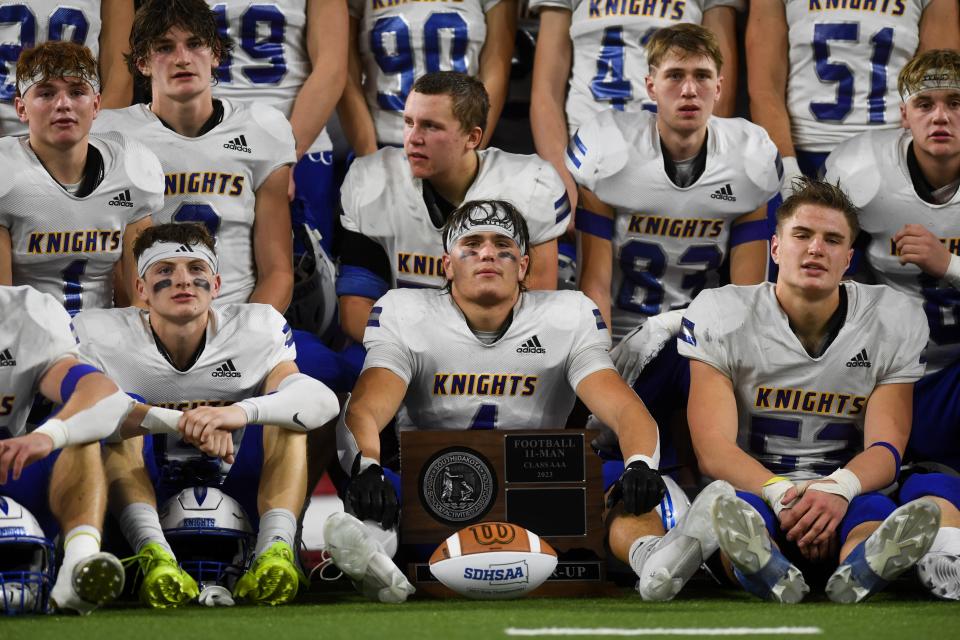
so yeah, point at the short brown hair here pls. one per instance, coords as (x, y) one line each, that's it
(471, 104)
(55, 59)
(155, 18)
(807, 191)
(190, 233)
(912, 75)
(684, 39)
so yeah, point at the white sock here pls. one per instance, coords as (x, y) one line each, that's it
(140, 524)
(79, 543)
(947, 541)
(276, 525)
(640, 550)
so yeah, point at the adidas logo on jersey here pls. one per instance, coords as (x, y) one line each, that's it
(726, 193)
(226, 370)
(121, 200)
(238, 144)
(6, 359)
(531, 346)
(860, 360)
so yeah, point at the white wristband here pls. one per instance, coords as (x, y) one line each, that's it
(366, 463)
(772, 494)
(845, 484)
(952, 276)
(641, 458)
(56, 430)
(160, 420)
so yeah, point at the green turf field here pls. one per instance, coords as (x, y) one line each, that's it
(904, 614)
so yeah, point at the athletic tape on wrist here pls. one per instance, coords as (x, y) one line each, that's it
(56, 430)
(161, 420)
(772, 493)
(845, 484)
(639, 457)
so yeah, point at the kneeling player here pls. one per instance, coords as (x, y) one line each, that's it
(800, 397)
(474, 326)
(180, 352)
(38, 352)
(906, 183)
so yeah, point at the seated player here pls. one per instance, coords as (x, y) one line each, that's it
(100, 25)
(189, 354)
(66, 493)
(395, 201)
(906, 184)
(97, 191)
(664, 200)
(800, 397)
(475, 325)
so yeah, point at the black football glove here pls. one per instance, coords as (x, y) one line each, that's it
(640, 487)
(371, 496)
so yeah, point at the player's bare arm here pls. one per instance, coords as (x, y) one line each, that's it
(596, 257)
(917, 245)
(940, 26)
(6, 257)
(117, 84)
(354, 311)
(495, 59)
(272, 244)
(373, 404)
(722, 21)
(352, 108)
(327, 38)
(128, 265)
(748, 261)
(616, 405)
(543, 266)
(552, 62)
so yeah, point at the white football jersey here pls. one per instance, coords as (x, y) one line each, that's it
(26, 23)
(68, 246)
(798, 415)
(244, 342)
(213, 178)
(269, 63)
(35, 333)
(872, 169)
(844, 61)
(609, 67)
(383, 201)
(527, 379)
(669, 241)
(400, 41)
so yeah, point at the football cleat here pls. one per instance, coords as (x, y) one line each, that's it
(355, 552)
(900, 541)
(758, 564)
(164, 584)
(94, 581)
(676, 556)
(273, 578)
(940, 574)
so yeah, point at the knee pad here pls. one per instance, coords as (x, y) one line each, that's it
(769, 518)
(867, 507)
(940, 485)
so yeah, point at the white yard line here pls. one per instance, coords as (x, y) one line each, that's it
(663, 631)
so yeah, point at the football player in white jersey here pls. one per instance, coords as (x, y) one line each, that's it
(68, 221)
(101, 25)
(906, 184)
(392, 44)
(199, 359)
(226, 164)
(821, 71)
(484, 353)
(38, 355)
(597, 49)
(800, 396)
(396, 201)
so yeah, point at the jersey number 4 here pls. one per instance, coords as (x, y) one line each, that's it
(63, 21)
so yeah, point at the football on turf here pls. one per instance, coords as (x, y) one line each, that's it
(493, 561)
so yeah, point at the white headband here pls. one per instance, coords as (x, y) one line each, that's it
(484, 219)
(932, 80)
(171, 250)
(25, 84)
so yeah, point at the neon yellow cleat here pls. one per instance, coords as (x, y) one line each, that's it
(164, 584)
(273, 579)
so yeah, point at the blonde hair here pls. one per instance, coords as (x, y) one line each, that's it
(916, 74)
(686, 40)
